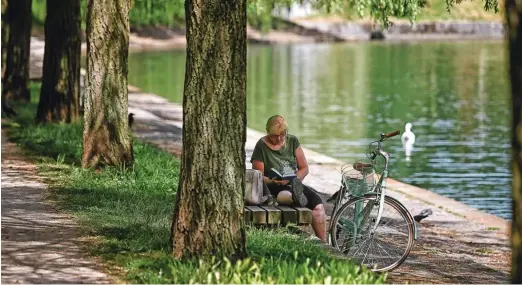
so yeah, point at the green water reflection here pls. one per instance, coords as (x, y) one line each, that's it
(337, 97)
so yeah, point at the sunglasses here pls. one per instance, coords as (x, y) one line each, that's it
(277, 136)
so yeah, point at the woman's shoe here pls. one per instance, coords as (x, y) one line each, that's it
(297, 193)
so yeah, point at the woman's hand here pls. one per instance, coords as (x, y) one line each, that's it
(280, 182)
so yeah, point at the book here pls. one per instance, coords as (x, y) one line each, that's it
(274, 174)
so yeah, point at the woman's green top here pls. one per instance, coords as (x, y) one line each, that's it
(282, 160)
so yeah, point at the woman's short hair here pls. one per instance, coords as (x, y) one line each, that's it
(276, 123)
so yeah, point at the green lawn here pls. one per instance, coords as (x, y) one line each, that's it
(127, 217)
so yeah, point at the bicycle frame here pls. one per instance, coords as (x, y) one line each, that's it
(362, 214)
(382, 181)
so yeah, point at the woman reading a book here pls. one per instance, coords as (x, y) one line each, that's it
(281, 159)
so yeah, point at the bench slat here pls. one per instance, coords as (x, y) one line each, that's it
(258, 215)
(248, 215)
(288, 215)
(273, 215)
(304, 215)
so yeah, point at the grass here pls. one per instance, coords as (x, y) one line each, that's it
(484, 250)
(492, 228)
(127, 216)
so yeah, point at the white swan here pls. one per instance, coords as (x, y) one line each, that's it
(408, 139)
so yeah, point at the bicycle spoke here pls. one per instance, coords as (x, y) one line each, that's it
(384, 250)
(366, 252)
(359, 247)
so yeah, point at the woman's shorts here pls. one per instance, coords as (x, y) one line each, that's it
(309, 192)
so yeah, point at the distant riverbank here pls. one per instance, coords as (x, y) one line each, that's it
(313, 31)
(151, 38)
(447, 29)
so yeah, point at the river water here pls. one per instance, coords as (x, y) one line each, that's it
(338, 97)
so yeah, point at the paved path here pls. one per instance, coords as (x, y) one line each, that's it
(39, 245)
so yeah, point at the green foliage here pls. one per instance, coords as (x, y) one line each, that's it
(384, 10)
(489, 5)
(156, 12)
(380, 10)
(259, 12)
(143, 12)
(39, 11)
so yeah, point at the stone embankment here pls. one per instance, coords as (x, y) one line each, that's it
(405, 31)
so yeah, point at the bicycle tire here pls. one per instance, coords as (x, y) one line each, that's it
(404, 213)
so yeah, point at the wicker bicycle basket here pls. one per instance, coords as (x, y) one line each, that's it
(358, 181)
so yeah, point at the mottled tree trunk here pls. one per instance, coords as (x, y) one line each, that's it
(59, 96)
(16, 79)
(208, 215)
(514, 31)
(106, 135)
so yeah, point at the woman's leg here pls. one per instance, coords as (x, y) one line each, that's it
(319, 222)
(315, 204)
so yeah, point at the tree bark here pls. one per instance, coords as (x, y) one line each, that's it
(106, 136)
(16, 79)
(514, 31)
(208, 215)
(59, 96)
(5, 39)
(5, 35)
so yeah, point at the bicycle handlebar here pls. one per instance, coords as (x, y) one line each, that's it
(392, 134)
(373, 153)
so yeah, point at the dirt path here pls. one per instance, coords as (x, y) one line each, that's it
(39, 245)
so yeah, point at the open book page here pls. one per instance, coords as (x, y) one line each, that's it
(274, 174)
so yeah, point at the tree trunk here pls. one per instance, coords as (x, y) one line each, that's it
(5, 36)
(208, 215)
(514, 30)
(59, 96)
(16, 78)
(106, 137)
(5, 39)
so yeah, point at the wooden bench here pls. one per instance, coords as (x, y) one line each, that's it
(277, 215)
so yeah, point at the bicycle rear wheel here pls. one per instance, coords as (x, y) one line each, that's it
(384, 249)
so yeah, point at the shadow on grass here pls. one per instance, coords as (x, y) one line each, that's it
(129, 214)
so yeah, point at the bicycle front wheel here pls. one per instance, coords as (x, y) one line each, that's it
(382, 249)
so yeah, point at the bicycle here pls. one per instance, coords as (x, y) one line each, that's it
(362, 226)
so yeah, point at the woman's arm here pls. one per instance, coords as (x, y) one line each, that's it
(302, 165)
(256, 164)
